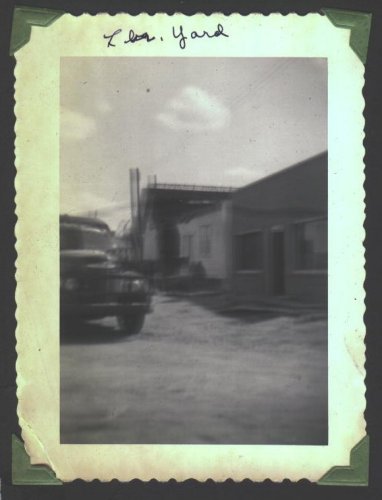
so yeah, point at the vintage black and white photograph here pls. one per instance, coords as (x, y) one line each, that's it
(193, 250)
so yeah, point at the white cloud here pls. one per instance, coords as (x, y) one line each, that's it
(195, 110)
(76, 126)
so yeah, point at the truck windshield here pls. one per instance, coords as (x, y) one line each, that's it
(84, 238)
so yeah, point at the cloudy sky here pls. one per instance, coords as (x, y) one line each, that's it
(218, 121)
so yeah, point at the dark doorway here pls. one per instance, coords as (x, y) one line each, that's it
(277, 270)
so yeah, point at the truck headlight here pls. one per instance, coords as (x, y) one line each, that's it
(70, 284)
(138, 286)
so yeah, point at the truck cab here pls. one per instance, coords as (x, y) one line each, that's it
(93, 283)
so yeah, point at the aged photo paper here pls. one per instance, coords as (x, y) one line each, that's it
(199, 179)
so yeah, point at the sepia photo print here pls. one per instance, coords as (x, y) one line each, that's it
(193, 250)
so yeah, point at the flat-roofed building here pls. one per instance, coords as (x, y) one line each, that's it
(163, 207)
(280, 233)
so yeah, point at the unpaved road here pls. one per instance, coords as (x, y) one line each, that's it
(192, 376)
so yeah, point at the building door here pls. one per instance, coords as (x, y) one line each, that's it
(277, 264)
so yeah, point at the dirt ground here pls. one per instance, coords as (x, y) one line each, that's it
(195, 376)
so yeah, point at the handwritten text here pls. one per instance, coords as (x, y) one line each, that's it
(178, 33)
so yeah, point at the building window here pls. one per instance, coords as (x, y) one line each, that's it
(249, 251)
(186, 248)
(205, 241)
(312, 245)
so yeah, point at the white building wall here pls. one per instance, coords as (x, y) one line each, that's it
(150, 241)
(217, 261)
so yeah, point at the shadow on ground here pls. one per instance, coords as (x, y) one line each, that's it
(251, 310)
(222, 304)
(92, 333)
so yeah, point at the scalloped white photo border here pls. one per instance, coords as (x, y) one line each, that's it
(37, 184)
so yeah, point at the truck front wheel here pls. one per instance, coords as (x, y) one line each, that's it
(130, 324)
